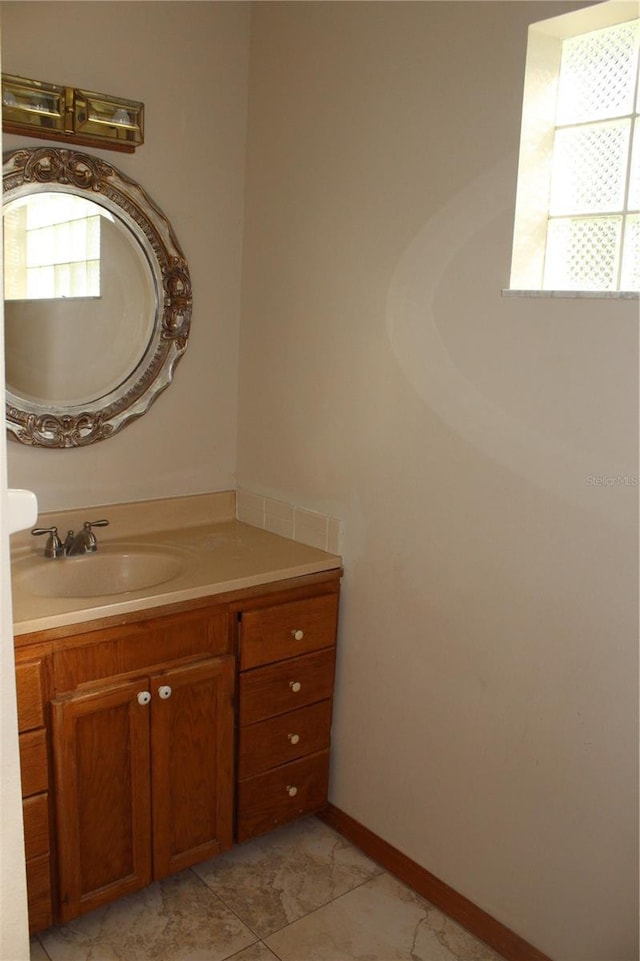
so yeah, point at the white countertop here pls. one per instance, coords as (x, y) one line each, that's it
(216, 556)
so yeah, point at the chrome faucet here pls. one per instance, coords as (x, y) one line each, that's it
(84, 542)
(53, 546)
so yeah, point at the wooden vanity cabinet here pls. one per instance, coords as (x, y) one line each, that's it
(153, 756)
(286, 654)
(144, 761)
(32, 688)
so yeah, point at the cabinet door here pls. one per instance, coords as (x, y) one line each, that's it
(101, 754)
(192, 763)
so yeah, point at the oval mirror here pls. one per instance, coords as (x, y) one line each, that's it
(97, 298)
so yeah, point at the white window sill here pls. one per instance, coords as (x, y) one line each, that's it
(581, 294)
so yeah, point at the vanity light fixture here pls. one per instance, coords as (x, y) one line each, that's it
(33, 108)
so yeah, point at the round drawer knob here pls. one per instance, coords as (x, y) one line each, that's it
(298, 635)
(295, 686)
(144, 697)
(294, 738)
(292, 790)
(164, 691)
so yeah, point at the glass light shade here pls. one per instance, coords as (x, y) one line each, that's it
(37, 109)
(116, 119)
(33, 103)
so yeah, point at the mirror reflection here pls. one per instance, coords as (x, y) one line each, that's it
(97, 298)
(79, 299)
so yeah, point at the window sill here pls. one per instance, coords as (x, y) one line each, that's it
(575, 294)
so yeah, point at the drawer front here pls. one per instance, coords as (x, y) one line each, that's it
(136, 647)
(286, 686)
(39, 894)
(284, 738)
(273, 633)
(35, 811)
(278, 796)
(29, 689)
(33, 762)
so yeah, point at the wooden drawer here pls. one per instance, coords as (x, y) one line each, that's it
(29, 689)
(286, 686)
(265, 801)
(39, 893)
(35, 811)
(271, 634)
(284, 738)
(33, 762)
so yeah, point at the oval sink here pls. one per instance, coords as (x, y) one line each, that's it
(108, 571)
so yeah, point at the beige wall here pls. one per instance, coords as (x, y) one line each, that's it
(188, 63)
(486, 711)
(486, 717)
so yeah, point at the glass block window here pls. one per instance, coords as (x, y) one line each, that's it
(578, 197)
(52, 245)
(592, 232)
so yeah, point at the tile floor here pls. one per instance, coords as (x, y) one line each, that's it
(302, 893)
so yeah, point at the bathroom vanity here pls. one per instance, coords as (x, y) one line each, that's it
(159, 726)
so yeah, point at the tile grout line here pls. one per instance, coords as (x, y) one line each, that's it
(262, 938)
(232, 910)
(320, 907)
(37, 937)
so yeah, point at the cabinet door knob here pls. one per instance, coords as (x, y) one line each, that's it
(298, 634)
(144, 697)
(294, 738)
(164, 692)
(295, 686)
(292, 790)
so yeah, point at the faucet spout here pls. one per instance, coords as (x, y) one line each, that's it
(84, 542)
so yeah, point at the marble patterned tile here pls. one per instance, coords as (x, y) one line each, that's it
(177, 919)
(37, 952)
(257, 952)
(382, 920)
(271, 881)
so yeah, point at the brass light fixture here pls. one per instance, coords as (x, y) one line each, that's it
(48, 111)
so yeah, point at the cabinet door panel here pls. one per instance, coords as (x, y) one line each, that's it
(192, 763)
(101, 753)
(286, 630)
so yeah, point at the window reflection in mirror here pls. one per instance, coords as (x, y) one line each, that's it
(80, 299)
(52, 245)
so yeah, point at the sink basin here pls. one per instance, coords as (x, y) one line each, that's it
(108, 571)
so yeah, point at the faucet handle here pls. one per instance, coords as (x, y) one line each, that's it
(91, 544)
(53, 547)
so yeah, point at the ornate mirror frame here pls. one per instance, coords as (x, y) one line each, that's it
(28, 171)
